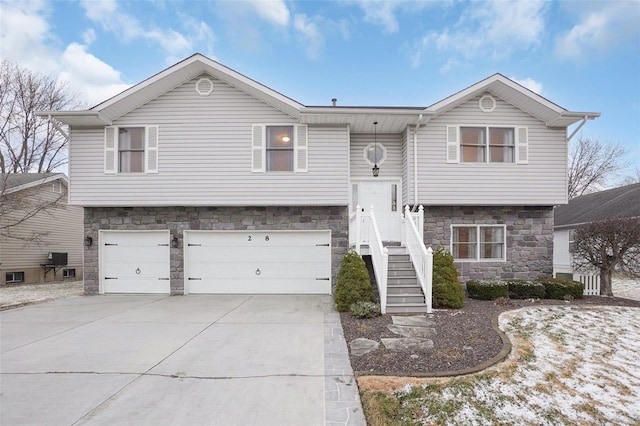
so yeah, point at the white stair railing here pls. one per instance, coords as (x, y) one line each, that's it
(421, 256)
(380, 260)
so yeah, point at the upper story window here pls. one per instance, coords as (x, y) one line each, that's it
(487, 144)
(375, 153)
(279, 148)
(131, 149)
(498, 147)
(478, 242)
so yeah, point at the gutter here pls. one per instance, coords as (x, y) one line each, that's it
(415, 164)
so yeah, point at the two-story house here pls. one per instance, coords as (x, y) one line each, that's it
(202, 180)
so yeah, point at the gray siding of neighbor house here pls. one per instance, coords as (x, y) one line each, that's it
(179, 219)
(540, 182)
(205, 148)
(391, 167)
(529, 239)
(57, 229)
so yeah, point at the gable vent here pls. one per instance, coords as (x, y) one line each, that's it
(204, 87)
(487, 103)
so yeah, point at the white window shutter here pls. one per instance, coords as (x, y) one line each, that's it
(110, 149)
(453, 145)
(301, 148)
(151, 149)
(257, 149)
(522, 145)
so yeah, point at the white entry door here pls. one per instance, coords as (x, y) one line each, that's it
(134, 262)
(261, 262)
(384, 196)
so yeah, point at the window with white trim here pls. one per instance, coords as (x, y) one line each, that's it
(279, 148)
(68, 273)
(375, 153)
(487, 144)
(14, 277)
(57, 187)
(131, 149)
(478, 242)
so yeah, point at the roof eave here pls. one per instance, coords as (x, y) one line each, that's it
(568, 118)
(37, 183)
(77, 118)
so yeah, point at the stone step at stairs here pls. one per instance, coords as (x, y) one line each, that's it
(404, 294)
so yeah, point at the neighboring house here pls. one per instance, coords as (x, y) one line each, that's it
(40, 234)
(201, 180)
(612, 203)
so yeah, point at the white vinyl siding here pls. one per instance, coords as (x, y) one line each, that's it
(392, 165)
(541, 181)
(206, 156)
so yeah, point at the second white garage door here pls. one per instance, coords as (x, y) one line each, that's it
(261, 262)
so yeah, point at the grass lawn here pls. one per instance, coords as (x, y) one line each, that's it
(569, 365)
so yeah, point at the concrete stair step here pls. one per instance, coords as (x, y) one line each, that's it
(399, 257)
(406, 308)
(404, 289)
(402, 272)
(402, 281)
(402, 299)
(400, 265)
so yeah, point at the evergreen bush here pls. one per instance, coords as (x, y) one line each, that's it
(447, 291)
(487, 289)
(353, 284)
(525, 289)
(557, 288)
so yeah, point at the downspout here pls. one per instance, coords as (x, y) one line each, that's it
(584, 120)
(415, 165)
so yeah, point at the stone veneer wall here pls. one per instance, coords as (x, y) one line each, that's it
(178, 219)
(529, 238)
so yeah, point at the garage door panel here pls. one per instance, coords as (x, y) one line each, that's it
(134, 262)
(258, 262)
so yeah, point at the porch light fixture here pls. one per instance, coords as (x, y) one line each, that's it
(174, 242)
(375, 169)
(88, 241)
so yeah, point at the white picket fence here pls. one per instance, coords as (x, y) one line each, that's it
(591, 284)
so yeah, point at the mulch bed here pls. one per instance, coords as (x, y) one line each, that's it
(465, 338)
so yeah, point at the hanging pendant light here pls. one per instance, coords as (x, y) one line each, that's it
(375, 169)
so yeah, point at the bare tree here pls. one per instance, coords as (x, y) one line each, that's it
(591, 164)
(631, 178)
(608, 245)
(28, 143)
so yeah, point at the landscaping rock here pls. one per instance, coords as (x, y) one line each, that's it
(407, 343)
(410, 331)
(416, 321)
(362, 346)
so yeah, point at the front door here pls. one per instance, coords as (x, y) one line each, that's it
(384, 196)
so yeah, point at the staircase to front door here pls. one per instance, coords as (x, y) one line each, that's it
(404, 293)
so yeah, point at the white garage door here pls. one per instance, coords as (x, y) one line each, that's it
(278, 262)
(134, 262)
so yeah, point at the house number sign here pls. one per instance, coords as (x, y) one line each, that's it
(250, 238)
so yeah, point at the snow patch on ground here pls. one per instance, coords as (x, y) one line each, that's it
(628, 288)
(569, 365)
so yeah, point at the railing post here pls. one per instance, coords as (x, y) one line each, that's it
(385, 272)
(429, 277)
(358, 225)
(421, 222)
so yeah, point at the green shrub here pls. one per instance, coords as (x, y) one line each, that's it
(447, 291)
(557, 288)
(364, 309)
(487, 289)
(353, 284)
(526, 289)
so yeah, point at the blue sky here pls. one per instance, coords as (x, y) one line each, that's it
(582, 55)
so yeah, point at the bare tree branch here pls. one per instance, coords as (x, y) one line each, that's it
(608, 245)
(592, 164)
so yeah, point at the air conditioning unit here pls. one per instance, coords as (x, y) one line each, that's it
(58, 259)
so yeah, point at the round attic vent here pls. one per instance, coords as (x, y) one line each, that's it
(487, 103)
(204, 87)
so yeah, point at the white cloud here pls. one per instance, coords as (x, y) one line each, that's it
(529, 83)
(488, 29)
(89, 36)
(88, 75)
(381, 12)
(274, 11)
(313, 39)
(602, 26)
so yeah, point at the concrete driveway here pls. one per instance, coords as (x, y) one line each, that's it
(183, 360)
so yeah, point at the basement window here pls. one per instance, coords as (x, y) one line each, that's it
(69, 273)
(14, 277)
